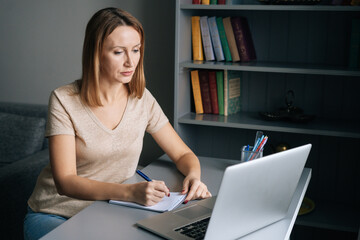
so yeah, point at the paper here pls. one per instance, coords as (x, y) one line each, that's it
(166, 204)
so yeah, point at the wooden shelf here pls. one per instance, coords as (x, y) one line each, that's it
(331, 216)
(251, 120)
(275, 67)
(263, 7)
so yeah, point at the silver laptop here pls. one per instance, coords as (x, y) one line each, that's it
(252, 195)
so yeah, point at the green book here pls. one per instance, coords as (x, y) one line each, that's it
(213, 2)
(223, 39)
(234, 92)
(220, 90)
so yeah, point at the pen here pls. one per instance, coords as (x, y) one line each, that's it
(260, 148)
(143, 175)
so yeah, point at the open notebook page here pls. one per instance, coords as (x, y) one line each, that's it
(166, 204)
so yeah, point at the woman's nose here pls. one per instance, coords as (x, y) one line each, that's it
(129, 61)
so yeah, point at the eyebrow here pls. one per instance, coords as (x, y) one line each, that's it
(137, 45)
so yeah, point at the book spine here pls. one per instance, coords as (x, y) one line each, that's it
(213, 92)
(231, 39)
(242, 39)
(221, 1)
(223, 39)
(249, 39)
(233, 81)
(220, 90)
(196, 1)
(196, 39)
(213, 2)
(215, 39)
(205, 2)
(226, 92)
(205, 90)
(195, 83)
(206, 39)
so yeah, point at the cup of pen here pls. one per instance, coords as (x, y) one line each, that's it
(247, 153)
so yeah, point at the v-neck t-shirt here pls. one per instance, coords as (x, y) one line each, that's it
(102, 154)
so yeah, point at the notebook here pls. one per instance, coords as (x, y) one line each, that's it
(166, 204)
(252, 195)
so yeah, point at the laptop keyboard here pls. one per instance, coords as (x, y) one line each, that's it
(195, 230)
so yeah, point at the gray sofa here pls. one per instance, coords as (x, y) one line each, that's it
(23, 154)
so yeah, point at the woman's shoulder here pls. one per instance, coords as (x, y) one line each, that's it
(67, 94)
(68, 89)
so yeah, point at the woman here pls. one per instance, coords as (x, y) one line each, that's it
(96, 127)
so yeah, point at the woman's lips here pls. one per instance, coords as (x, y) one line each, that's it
(128, 73)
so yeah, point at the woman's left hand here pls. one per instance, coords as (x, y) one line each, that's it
(194, 188)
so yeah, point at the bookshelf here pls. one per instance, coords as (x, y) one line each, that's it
(304, 48)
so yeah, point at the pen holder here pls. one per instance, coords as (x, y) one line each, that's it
(248, 155)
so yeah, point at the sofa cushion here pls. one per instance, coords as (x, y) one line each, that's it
(20, 136)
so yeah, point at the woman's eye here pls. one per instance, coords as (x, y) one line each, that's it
(117, 52)
(136, 50)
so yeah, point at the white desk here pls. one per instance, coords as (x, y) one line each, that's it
(102, 220)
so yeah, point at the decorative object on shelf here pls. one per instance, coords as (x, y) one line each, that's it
(291, 2)
(307, 206)
(290, 113)
(282, 147)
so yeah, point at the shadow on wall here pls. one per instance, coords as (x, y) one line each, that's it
(159, 29)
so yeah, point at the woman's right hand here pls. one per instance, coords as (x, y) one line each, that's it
(148, 193)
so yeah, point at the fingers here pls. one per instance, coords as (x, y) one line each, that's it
(198, 190)
(155, 191)
(161, 187)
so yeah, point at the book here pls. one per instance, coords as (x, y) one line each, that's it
(243, 39)
(226, 93)
(233, 93)
(214, 2)
(205, 2)
(220, 90)
(231, 39)
(166, 204)
(196, 91)
(213, 92)
(221, 1)
(205, 90)
(196, 39)
(354, 53)
(214, 33)
(206, 39)
(223, 39)
(196, 1)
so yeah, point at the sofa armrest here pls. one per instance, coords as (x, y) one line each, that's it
(17, 182)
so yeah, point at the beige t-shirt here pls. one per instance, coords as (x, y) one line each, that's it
(101, 154)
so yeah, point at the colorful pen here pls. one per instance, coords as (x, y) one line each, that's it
(143, 175)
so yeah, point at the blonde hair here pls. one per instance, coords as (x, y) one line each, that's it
(100, 26)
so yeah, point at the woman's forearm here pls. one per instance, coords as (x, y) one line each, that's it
(189, 164)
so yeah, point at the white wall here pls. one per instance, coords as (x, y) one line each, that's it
(41, 46)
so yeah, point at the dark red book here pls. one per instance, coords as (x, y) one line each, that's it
(205, 90)
(243, 39)
(196, 1)
(221, 2)
(213, 92)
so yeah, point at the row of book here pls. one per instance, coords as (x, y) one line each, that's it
(222, 39)
(216, 92)
(209, 2)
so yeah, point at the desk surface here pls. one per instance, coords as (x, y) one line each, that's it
(102, 220)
